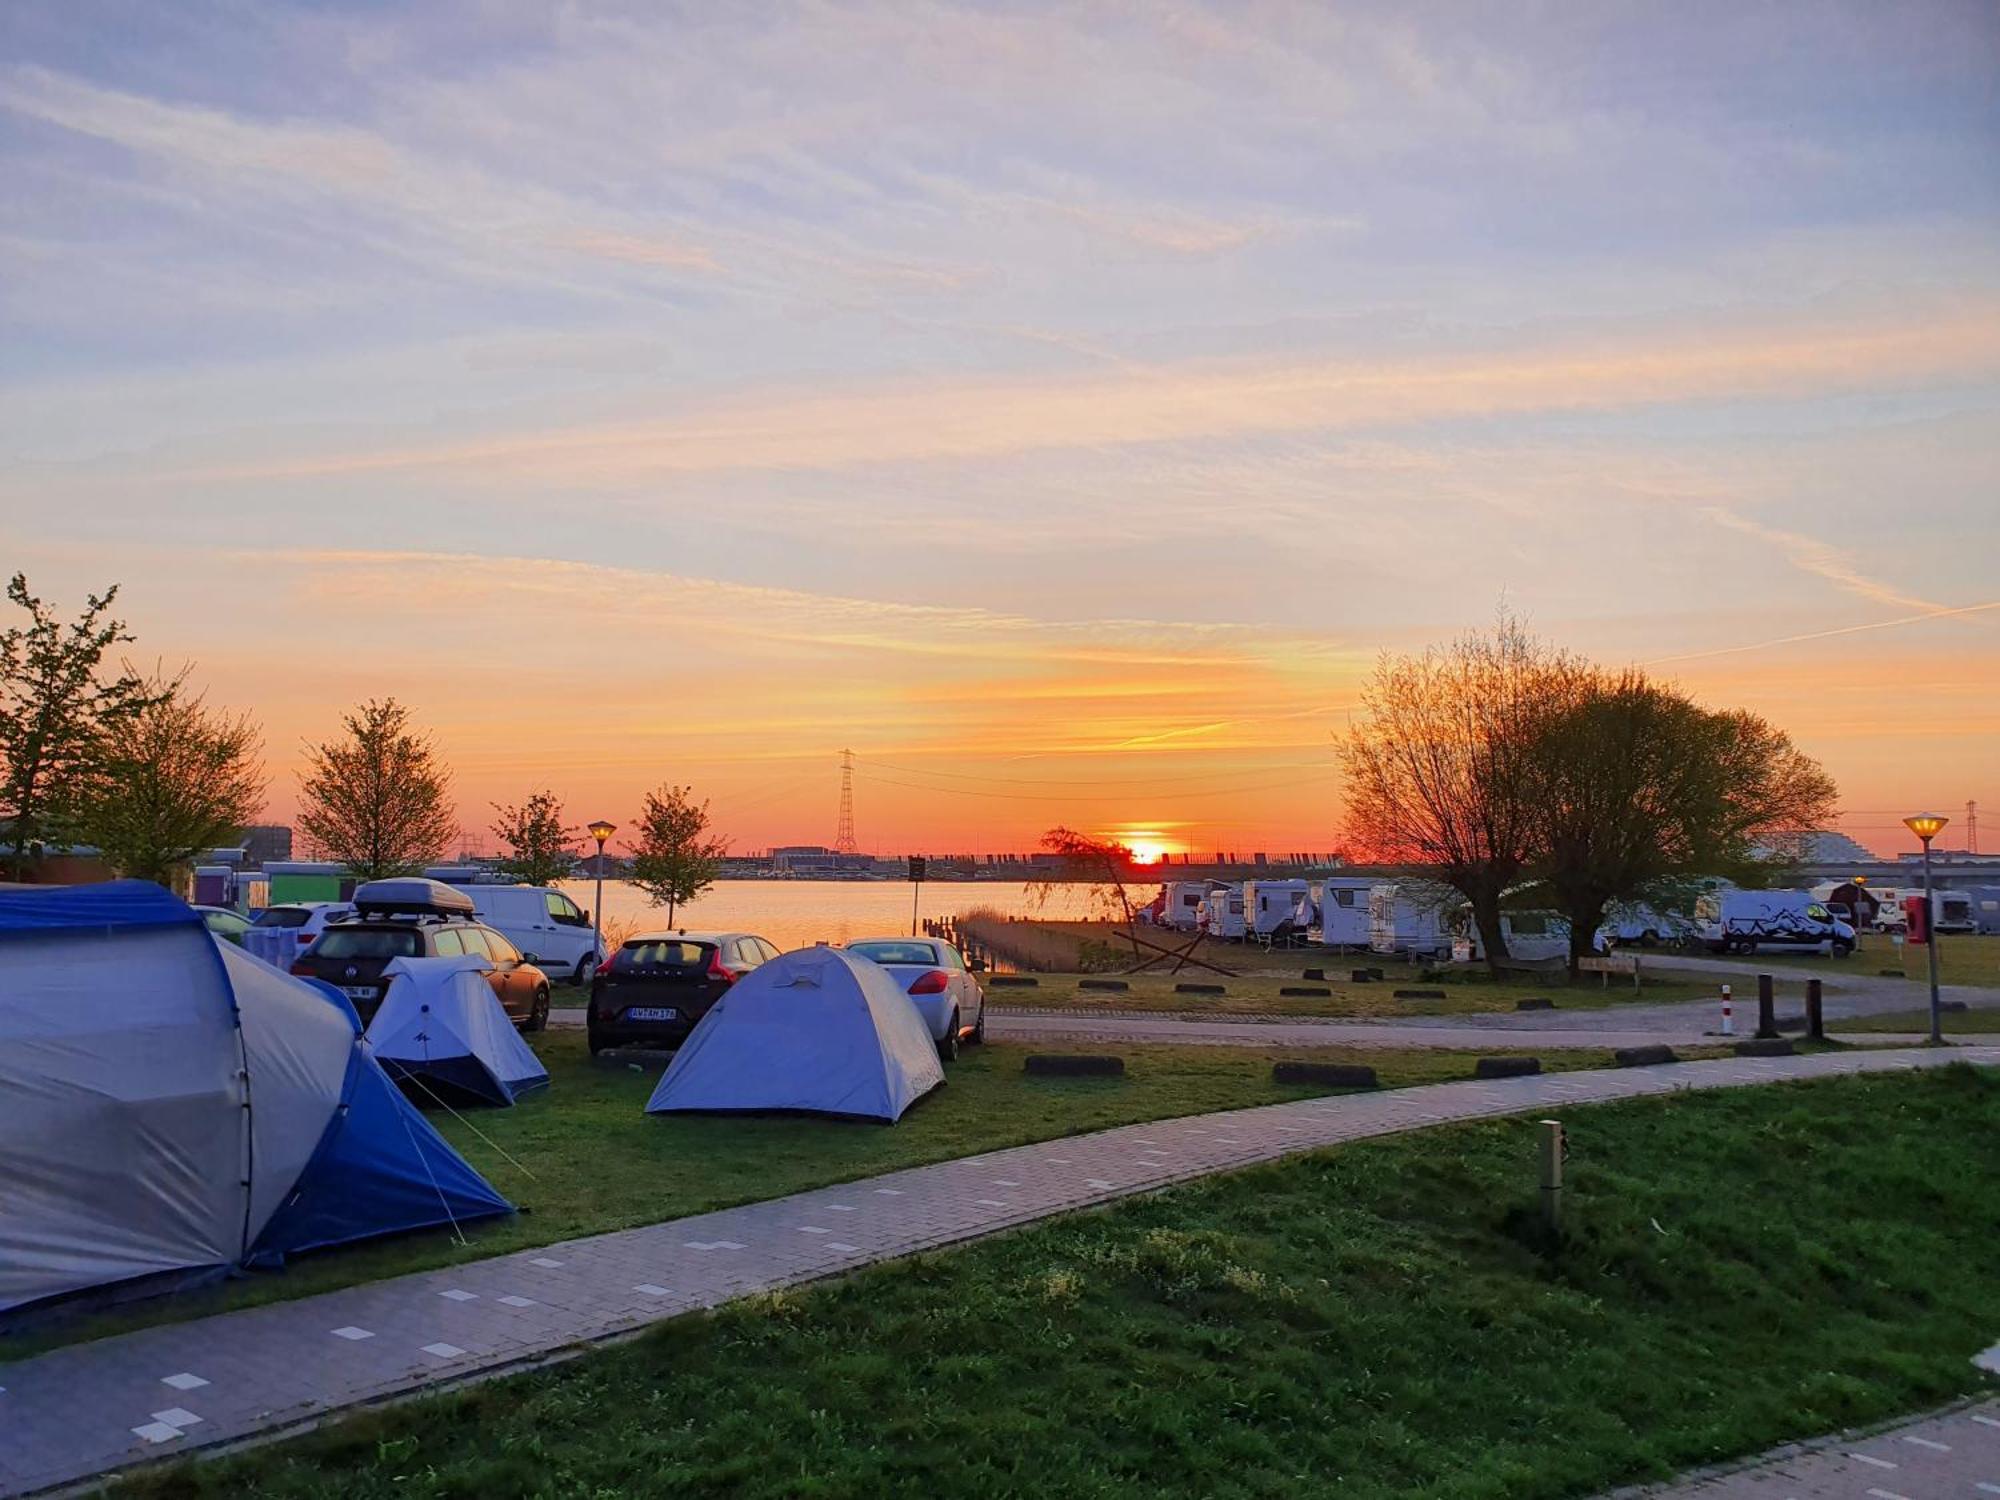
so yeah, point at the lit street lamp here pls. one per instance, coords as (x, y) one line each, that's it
(600, 830)
(1927, 826)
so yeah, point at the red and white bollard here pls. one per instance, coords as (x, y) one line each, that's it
(1728, 1015)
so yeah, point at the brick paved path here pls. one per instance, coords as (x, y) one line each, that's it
(1953, 1455)
(92, 1408)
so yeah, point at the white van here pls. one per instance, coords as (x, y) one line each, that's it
(551, 930)
(1736, 921)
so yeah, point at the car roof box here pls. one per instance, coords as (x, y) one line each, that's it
(411, 896)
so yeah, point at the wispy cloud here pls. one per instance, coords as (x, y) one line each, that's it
(1811, 555)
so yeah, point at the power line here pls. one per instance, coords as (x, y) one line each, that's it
(1231, 791)
(1122, 781)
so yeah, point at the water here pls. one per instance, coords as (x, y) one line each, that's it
(799, 913)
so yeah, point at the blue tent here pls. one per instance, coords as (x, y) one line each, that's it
(442, 1034)
(172, 1107)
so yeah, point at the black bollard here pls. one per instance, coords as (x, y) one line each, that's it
(1815, 1017)
(1767, 1007)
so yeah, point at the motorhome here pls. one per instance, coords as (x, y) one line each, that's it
(1273, 907)
(1222, 913)
(1640, 926)
(1740, 921)
(1985, 901)
(1343, 911)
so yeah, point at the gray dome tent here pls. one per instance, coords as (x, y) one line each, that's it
(819, 1031)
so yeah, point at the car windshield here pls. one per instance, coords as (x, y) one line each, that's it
(366, 942)
(664, 953)
(896, 953)
(282, 916)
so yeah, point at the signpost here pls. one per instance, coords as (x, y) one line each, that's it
(917, 866)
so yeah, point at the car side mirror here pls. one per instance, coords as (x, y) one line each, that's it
(977, 965)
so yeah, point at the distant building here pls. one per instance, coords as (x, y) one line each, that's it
(266, 843)
(817, 859)
(1819, 846)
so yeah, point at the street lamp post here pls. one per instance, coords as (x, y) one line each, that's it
(1927, 826)
(600, 830)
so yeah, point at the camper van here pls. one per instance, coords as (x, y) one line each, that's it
(1343, 911)
(1222, 913)
(1642, 926)
(1274, 906)
(543, 923)
(1738, 921)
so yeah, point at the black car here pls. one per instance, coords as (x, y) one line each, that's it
(419, 919)
(653, 990)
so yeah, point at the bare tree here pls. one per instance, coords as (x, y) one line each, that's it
(1440, 766)
(56, 708)
(378, 801)
(174, 779)
(540, 846)
(1102, 863)
(1639, 789)
(673, 856)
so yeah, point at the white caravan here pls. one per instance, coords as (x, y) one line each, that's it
(1222, 913)
(1412, 916)
(551, 930)
(1954, 911)
(1271, 904)
(1642, 926)
(1181, 902)
(1343, 911)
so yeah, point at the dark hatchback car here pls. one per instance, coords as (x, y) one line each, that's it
(419, 919)
(653, 990)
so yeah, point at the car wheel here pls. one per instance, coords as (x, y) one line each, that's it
(581, 978)
(597, 1044)
(948, 1044)
(538, 1014)
(1842, 948)
(979, 1027)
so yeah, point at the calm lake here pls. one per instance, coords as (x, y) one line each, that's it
(799, 913)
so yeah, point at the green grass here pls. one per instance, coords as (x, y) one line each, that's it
(601, 1163)
(1381, 1320)
(1257, 994)
(1963, 958)
(1983, 1022)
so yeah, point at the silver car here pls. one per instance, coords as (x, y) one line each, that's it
(933, 974)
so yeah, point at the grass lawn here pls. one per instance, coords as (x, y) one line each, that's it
(1982, 1022)
(600, 1162)
(1377, 1320)
(1963, 958)
(1258, 994)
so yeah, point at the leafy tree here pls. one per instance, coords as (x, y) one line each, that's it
(1640, 789)
(378, 801)
(673, 858)
(1441, 765)
(539, 844)
(56, 708)
(174, 779)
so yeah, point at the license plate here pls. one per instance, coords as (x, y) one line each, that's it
(652, 1013)
(358, 991)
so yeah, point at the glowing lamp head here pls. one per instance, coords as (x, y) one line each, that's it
(602, 830)
(1926, 826)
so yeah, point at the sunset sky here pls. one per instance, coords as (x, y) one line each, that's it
(1061, 406)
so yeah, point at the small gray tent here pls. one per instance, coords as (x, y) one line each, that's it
(819, 1031)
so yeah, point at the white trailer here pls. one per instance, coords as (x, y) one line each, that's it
(1181, 909)
(1269, 905)
(1411, 916)
(1954, 911)
(1222, 913)
(1343, 911)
